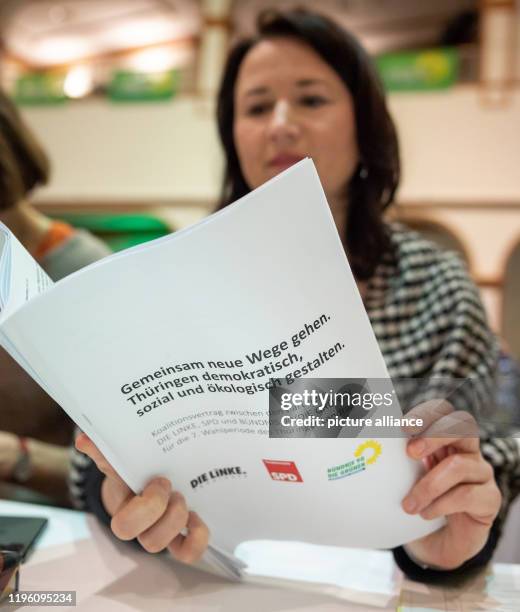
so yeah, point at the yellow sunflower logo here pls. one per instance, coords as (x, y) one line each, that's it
(372, 445)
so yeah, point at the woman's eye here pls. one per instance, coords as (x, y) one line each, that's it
(258, 109)
(313, 101)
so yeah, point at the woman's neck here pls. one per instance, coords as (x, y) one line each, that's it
(27, 224)
(338, 207)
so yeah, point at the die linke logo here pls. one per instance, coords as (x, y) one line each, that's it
(283, 471)
(217, 473)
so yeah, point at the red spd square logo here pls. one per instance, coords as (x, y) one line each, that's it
(283, 471)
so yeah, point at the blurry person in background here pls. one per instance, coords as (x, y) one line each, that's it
(34, 431)
(24, 166)
(302, 86)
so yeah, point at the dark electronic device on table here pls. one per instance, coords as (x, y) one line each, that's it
(19, 533)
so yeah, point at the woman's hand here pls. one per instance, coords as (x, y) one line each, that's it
(459, 484)
(156, 517)
(9, 452)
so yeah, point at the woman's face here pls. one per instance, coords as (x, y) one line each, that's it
(290, 104)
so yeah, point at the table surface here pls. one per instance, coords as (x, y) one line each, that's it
(77, 553)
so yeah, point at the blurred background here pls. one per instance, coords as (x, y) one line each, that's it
(122, 94)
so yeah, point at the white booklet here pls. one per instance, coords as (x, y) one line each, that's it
(163, 355)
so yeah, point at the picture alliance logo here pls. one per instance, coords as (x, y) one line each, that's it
(283, 471)
(217, 474)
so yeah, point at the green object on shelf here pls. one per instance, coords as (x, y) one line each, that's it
(419, 70)
(40, 88)
(119, 232)
(120, 242)
(115, 223)
(127, 86)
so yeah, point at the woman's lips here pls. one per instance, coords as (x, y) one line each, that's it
(283, 161)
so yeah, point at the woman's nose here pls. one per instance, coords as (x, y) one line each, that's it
(283, 125)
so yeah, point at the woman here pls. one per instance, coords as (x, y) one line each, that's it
(34, 431)
(304, 87)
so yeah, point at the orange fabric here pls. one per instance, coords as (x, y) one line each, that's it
(58, 233)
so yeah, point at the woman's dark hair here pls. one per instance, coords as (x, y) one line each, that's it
(372, 187)
(23, 163)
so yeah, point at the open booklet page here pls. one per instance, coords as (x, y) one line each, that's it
(5, 264)
(163, 355)
(21, 277)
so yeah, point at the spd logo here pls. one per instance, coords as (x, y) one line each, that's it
(283, 471)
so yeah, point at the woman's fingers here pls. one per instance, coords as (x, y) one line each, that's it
(481, 502)
(85, 445)
(168, 527)
(450, 445)
(190, 548)
(428, 412)
(114, 491)
(458, 430)
(450, 472)
(114, 494)
(156, 517)
(142, 511)
(131, 514)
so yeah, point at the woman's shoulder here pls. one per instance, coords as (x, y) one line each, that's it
(418, 267)
(413, 251)
(420, 286)
(426, 311)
